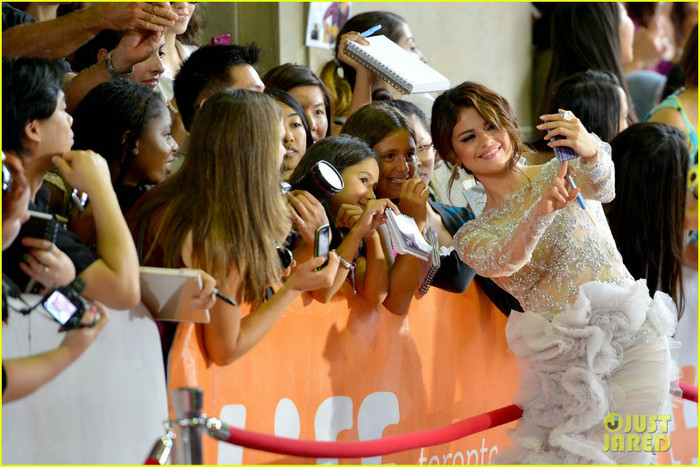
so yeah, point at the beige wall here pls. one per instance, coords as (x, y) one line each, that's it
(484, 42)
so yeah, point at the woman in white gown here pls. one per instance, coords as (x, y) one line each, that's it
(591, 340)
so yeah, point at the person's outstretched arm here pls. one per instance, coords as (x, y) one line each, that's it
(228, 336)
(114, 278)
(134, 47)
(26, 375)
(58, 38)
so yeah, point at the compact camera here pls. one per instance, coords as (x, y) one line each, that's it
(67, 306)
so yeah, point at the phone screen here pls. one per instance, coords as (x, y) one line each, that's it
(60, 307)
(322, 241)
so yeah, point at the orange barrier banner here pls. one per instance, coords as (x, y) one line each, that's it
(347, 371)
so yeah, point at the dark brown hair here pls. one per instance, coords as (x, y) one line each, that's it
(290, 76)
(651, 165)
(490, 106)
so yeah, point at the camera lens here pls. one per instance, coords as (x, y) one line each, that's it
(6, 179)
(6, 176)
(322, 181)
(286, 256)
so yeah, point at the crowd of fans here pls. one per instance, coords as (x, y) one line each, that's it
(151, 150)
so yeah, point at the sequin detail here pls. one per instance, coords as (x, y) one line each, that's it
(543, 260)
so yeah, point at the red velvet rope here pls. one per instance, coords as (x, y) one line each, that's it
(374, 447)
(392, 444)
(689, 392)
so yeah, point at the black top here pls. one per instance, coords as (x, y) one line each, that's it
(454, 275)
(128, 195)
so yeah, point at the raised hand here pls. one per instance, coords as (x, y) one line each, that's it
(572, 132)
(205, 299)
(125, 16)
(94, 319)
(356, 37)
(134, 47)
(305, 277)
(46, 264)
(413, 198)
(307, 213)
(365, 221)
(85, 170)
(556, 196)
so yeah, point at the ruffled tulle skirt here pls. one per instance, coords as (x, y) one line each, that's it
(609, 353)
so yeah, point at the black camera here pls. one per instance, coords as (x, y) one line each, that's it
(67, 306)
(322, 181)
(285, 254)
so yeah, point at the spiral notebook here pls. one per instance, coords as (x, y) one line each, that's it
(432, 238)
(397, 66)
(405, 236)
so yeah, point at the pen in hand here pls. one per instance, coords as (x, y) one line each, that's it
(572, 185)
(371, 30)
(223, 297)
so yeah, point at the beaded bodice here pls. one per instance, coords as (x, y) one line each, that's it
(543, 259)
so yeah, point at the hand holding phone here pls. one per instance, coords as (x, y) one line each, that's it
(322, 243)
(40, 225)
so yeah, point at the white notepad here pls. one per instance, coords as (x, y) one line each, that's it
(167, 293)
(406, 238)
(397, 66)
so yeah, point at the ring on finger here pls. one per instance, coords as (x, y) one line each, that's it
(568, 116)
(46, 270)
(150, 18)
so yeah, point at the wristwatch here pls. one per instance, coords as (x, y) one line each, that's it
(113, 71)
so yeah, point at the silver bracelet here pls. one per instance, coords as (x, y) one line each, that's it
(113, 71)
(345, 264)
(351, 277)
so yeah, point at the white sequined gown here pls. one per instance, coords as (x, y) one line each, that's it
(591, 341)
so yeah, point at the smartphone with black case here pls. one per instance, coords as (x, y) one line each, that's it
(40, 225)
(322, 243)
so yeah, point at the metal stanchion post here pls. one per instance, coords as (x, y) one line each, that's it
(187, 404)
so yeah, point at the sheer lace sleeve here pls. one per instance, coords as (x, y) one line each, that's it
(597, 178)
(498, 254)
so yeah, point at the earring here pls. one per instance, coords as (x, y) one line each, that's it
(135, 151)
